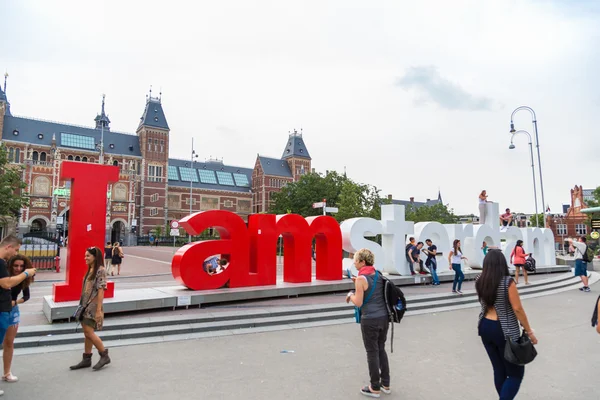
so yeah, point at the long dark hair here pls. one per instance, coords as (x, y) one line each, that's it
(495, 268)
(98, 261)
(456, 247)
(26, 265)
(519, 243)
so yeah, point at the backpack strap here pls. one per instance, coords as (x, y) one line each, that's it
(372, 289)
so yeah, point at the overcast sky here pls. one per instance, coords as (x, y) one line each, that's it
(409, 96)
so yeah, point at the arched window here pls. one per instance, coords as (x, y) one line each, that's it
(70, 158)
(35, 156)
(11, 154)
(43, 156)
(17, 155)
(84, 159)
(77, 158)
(116, 163)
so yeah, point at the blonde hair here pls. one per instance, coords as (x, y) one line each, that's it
(365, 255)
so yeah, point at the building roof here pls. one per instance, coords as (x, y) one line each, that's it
(2, 95)
(211, 175)
(418, 204)
(275, 167)
(154, 116)
(295, 147)
(35, 131)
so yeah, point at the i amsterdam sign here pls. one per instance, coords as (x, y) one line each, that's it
(252, 249)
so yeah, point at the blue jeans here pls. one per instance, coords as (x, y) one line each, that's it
(507, 376)
(433, 269)
(459, 277)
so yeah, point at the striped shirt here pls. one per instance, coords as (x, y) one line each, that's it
(506, 315)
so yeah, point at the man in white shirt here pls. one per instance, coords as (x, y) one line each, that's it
(581, 265)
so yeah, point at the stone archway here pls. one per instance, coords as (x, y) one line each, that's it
(118, 230)
(38, 224)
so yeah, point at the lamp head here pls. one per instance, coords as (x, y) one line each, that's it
(511, 147)
(512, 127)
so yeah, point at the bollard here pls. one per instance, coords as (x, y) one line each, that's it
(57, 263)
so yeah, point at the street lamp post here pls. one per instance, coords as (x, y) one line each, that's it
(512, 146)
(537, 145)
(192, 161)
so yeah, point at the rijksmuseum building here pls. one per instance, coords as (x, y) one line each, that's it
(153, 189)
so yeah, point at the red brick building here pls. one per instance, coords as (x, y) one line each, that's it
(573, 222)
(152, 189)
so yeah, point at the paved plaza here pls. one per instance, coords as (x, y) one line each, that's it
(437, 356)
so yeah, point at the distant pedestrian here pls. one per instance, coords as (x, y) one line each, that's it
(455, 258)
(92, 315)
(108, 259)
(501, 312)
(484, 248)
(409, 246)
(482, 204)
(374, 322)
(117, 257)
(431, 262)
(518, 258)
(16, 266)
(156, 241)
(580, 248)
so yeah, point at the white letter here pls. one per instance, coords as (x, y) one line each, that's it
(354, 231)
(395, 229)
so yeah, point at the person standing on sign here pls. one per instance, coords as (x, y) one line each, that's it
(9, 247)
(482, 203)
(92, 316)
(431, 262)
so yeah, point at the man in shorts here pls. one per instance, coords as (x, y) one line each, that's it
(580, 264)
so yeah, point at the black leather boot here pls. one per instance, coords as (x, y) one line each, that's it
(86, 362)
(104, 359)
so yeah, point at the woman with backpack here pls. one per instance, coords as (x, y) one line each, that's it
(501, 313)
(374, 321)
(455, 258)
(518, 258)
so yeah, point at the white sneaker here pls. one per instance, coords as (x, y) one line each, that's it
(1, 392)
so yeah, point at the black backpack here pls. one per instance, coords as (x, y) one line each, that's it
(395, 303)
(588, 255)
(595, 313)
(530, 264)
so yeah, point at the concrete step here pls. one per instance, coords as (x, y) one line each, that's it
(189, 326)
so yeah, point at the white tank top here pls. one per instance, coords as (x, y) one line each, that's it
(481, 201)
(456, 258)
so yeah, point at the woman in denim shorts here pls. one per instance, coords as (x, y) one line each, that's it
(16, 266)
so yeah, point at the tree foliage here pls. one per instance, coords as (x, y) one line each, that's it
(437, 212)
(351, 198)
(539, 218)
(12, 187)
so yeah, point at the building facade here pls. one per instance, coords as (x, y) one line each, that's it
(153, 189)
(571, 223)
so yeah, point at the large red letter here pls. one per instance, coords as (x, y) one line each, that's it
(187, 265)
(87, 222)
(329, 247)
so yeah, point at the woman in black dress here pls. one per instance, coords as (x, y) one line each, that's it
(117, 257)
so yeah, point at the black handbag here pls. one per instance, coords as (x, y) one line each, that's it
(520, 351)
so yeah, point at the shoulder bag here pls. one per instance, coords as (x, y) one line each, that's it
(357, 309)
(520, 351)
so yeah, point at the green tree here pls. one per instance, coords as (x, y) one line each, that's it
(12, 187)
(158, 230)
(596, 201)
(539, 218)
(351, 198)
(437, 212)
(298, 197)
